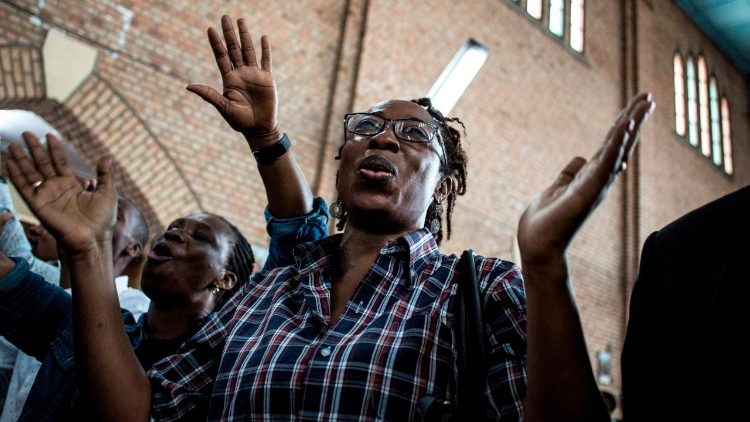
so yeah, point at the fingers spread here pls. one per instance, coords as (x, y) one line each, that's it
(265, 58)
(230, 37)
(248, 51)
(220, 53)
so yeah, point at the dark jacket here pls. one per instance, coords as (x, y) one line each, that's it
(687, 348)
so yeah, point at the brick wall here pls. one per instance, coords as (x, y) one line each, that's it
(676, 177)
(534, 105)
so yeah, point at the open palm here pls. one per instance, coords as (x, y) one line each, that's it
(75, 216)
(248, 102)
(552, 219)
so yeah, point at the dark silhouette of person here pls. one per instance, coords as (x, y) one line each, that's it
(687, 347)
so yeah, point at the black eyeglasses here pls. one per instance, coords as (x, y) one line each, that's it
(409, 130)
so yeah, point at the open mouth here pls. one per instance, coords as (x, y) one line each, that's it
(376, 169)
(160, 252)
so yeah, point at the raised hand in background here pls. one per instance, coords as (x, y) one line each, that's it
(78, 218)
(248, 101)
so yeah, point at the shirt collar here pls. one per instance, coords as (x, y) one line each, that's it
(318, 253)
(419, 247)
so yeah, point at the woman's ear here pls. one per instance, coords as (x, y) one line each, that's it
(133, 249)
(444, 188)
(226, 281)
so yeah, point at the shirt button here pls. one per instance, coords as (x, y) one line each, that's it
(325, 352)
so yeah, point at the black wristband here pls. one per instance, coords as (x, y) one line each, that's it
(271, 153)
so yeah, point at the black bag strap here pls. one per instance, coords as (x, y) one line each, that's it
(471, 353)
(471, 358)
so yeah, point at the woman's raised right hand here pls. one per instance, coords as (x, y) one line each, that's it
(248, 102)
(78, 218)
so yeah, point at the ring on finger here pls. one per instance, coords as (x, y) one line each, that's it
(37, 184)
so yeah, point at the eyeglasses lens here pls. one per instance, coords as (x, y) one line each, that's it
(407, 129)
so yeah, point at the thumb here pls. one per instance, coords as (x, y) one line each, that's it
(209, 95)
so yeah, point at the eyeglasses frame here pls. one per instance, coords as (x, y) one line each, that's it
(392, 122)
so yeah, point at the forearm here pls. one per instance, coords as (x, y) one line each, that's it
(34, 311)
(287, 190)
(561, 383)
(112, 375)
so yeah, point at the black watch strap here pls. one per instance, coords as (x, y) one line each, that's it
(271, 153)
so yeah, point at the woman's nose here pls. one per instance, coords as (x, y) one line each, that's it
(386, 140)
(174, 235)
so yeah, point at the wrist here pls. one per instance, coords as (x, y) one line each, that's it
(269, 154)
(94, 248)
(258, 140)
(546, 270)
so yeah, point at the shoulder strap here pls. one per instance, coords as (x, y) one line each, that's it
(472, 358)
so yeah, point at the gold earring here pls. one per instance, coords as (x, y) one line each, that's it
(215, 290)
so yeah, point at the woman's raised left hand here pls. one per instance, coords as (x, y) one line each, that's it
(553, 217)
(248, 102)
(78, 218)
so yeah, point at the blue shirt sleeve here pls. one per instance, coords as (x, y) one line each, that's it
(13, 241)
(287, 233)
(32, 311)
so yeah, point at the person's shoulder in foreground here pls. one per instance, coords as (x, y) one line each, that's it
(690, 301)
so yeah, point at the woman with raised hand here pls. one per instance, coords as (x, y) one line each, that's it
(195, 265)
(192, 267)
(361, 326)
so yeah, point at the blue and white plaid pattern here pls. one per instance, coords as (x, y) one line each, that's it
(272, 354)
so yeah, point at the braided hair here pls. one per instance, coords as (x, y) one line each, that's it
(241, 260)
(454, 166)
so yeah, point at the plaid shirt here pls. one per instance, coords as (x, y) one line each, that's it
(272, 353)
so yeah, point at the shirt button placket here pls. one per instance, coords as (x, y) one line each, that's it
(325, 352)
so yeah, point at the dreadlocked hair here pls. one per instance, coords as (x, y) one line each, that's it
(454, 166)
(241, 260)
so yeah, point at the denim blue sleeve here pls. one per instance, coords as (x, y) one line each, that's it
(13, 241)
(286, 233)
(32, 311)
